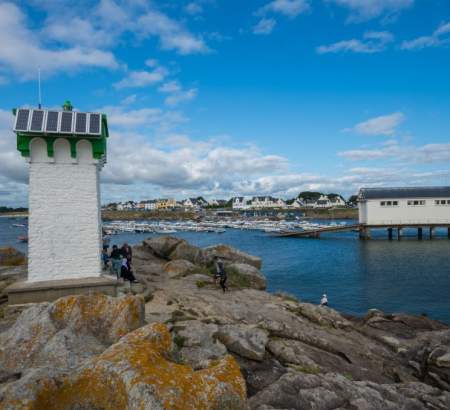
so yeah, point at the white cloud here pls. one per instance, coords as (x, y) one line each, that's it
(172, 35)
(176, 93)
(383, 125)
(129, 100)
(136, 79)
(363, 10)
(264, 26)
(437, 38)
(22, 52)
(193, 8)
(142, 118)
(289, 8)
(372, 42)
(425, 154)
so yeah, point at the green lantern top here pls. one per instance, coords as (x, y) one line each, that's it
(53, 124)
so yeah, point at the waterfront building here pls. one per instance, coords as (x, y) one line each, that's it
(66, 151)
(404, 206)
(239, 203)
(166, 203)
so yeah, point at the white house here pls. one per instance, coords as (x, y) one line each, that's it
(264, 202)
(323, 202)
(239, 203)
(404, 206)
(337, 200)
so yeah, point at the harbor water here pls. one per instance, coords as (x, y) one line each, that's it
(409, 275)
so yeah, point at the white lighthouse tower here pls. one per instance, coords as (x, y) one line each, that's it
(66, 150)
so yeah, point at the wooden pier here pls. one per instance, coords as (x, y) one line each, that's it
(365, 230)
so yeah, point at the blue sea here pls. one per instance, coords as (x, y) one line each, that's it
(409, 275)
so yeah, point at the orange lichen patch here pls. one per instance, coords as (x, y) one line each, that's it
(108, 318)
(90, 390)
(138, 363)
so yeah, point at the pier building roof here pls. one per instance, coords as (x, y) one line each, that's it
(405, 192)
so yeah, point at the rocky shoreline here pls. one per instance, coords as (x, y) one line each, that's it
(176, 341)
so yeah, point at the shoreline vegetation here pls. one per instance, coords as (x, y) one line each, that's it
(308, 213)
(247, 348)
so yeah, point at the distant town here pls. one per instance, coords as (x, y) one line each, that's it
(307, 199)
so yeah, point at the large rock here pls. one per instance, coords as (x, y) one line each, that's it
(179, 267)
(187, 252)
(248, 342)
(198, 343)
(243, 275)
(333, 391)
(163, 246)
(11, 257)
(230, 255)
(65, 332)
(135, 374)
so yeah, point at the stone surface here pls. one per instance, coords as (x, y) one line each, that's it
(136, 374)
(249, 342)
(179, 267)
(162, 246)
(67, 331)
(187, 252)
(44, 291)
(333, 391)
(245, 276)
(198, 343)
(230, 254)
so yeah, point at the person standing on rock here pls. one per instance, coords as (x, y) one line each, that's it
(126, 251)
(116, 260)
(221, 274)
(126, 272)
(324, 300)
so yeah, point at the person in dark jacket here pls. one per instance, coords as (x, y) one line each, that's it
(221, 274)
(126, 272)
(116, 261)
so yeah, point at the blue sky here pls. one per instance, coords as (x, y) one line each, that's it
(225, 98)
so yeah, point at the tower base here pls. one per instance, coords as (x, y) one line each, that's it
(47, 291)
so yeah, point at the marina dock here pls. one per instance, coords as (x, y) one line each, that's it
(365, 230)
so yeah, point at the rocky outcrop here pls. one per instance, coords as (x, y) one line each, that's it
(297, 390)
(68, 331)
(245, 276)
(135, 372)
(231, 255)
(208, 349)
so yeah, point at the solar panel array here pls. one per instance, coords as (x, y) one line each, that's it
(58, 122)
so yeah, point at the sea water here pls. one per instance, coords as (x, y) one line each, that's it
(410, 275)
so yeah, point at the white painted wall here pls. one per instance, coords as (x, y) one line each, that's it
(64, 225)
(372, 213)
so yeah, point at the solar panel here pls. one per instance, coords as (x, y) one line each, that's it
(22, 119)
(66, 122)
(81, 123)
(94, 124)
(52, 121)
(37, 121)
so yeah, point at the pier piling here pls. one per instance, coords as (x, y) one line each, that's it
(390, 234)
(399, 233)
(419, 233)
(431, 232)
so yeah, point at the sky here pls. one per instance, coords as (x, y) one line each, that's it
(230, 97)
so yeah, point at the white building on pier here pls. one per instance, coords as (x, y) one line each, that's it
(413, 206)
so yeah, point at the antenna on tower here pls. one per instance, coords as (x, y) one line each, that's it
(39, 88)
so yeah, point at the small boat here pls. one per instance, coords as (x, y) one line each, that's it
(19, 225)
(23, 239)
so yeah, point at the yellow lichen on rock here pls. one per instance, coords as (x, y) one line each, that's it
(108, 318)
(136, 373)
